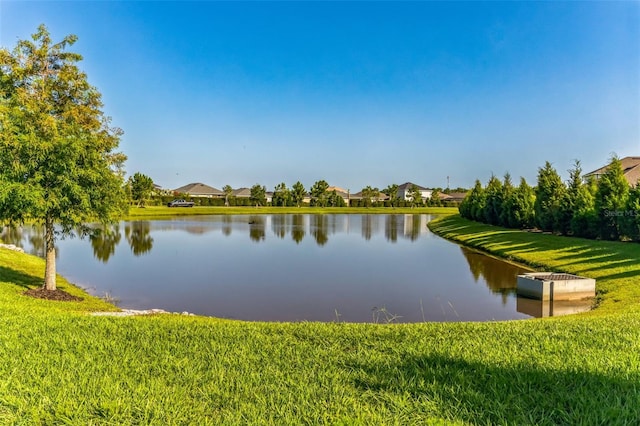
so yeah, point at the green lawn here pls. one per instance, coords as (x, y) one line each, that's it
(614, 265)
(62, 366)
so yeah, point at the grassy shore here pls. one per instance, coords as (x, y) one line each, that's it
(154, 212)
(62, 366)
(614, 265)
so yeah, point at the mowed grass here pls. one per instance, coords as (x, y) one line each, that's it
(153, 212)
(62, 366)
(614, 265)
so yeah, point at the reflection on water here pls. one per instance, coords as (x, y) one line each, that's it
(256, 228)
(279, 225)
(318, 228)
(297, 227)
(499, 276)
(227, 225)
(391, 224)
(290, 268)
(104, 241)
(18, 235)
(138, 235)
(549, 308)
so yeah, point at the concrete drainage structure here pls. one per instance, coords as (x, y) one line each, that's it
(554, 286)
(545, 294)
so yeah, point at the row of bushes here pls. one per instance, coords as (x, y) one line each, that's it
(606, 208)
(244, 201)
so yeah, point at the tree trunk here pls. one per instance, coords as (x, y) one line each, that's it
(50, 258)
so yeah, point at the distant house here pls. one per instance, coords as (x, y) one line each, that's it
(242, 193)
(380, 197)
(159, 190)
(630, 168)
(341, 192)
(456, 197)
(404, 191)
(443, 196)
(200, 190)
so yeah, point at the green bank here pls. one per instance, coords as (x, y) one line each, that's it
(614, 265)
(63, 366)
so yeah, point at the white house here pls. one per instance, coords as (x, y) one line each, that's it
(404, 191)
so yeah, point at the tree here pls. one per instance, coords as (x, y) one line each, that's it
(632, 214)
(58, 159)
(335, 200)
(493, 205)
(228, 191)
(297, 193)
(368, 194)
(415, 195)
(281, 195)
(472, 207)
(549, 193)
(141, 188)
(258, 195)
(584, 221)
(611, 200)
(577, 212)
(524, 199)
(392, 192)
(319, 193)
(435, 201)
(506, 208)
(567, 203)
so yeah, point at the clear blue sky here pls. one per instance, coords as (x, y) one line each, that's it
(355, 93)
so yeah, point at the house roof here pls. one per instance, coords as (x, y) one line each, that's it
(457, 196)
(630, 169)
(407, 185)
(341, 192)
(381, 196)
(336, 188)
(242, 192)
(198, 189)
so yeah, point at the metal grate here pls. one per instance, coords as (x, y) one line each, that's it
(558, 277)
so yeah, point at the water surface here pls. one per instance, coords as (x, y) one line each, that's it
(356, 268)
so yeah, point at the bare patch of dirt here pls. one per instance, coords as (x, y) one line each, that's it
(59, 295)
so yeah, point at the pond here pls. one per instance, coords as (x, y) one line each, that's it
(352, 268)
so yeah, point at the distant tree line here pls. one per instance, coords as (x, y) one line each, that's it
(606, 208)
(140, 190)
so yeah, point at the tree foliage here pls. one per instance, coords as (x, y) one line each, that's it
(493, 204)
(319, 193)
(141, 187)
(577, 211)
(369, 194)
(392, 192)
(606, 208)
(58, 158)
(228, 192)
(524, 199)
(611, 200)
(335, 200)
(281, 196)
(472, 207)
(435, 200)
(632, 214)
(549, 193)
(415, 196)
(258, 195)
(297, 193)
